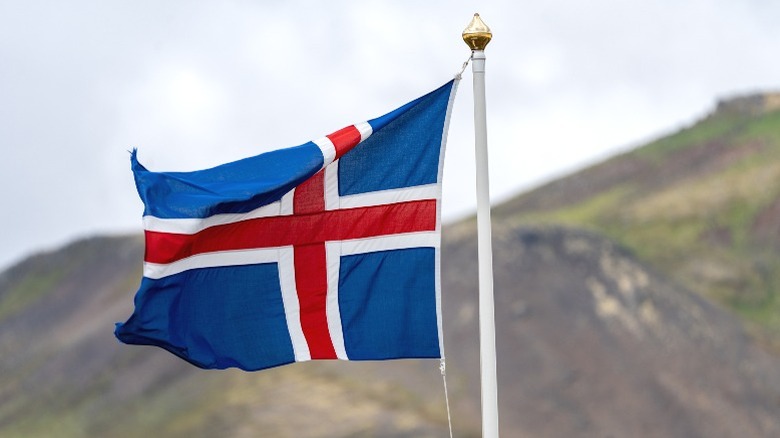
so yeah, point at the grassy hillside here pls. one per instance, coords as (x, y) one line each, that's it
(702, 205)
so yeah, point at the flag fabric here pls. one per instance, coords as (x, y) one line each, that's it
(327, 250)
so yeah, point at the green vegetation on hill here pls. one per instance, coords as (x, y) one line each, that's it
(701, 205)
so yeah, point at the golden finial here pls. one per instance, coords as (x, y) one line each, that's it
(477, 35)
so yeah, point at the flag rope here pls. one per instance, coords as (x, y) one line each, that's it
(463, 68)
(443, 369)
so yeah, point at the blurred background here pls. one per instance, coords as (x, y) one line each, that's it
(635, 176)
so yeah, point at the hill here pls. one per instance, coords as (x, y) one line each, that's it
(602, 329)
(701, 205)
(63, 374)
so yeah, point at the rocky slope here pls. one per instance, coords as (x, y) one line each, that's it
(593, 343)
(701, 205)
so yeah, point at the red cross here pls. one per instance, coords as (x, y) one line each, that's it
(307, 230)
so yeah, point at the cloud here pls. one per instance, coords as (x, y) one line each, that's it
(193, 84)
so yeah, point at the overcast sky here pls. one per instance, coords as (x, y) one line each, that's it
(193, 84)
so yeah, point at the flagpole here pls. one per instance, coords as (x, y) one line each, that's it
(477, 35)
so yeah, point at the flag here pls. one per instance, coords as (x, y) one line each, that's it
(327, 250)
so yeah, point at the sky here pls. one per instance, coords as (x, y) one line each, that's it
(193, 84)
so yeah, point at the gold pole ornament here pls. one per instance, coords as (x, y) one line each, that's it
(477, 35)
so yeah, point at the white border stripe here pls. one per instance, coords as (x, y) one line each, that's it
(292, 307)
(156, 271)
(192, 226)
(430, 239)
(332, 309)
(392, 196)
(285, 206)
(331, 182)
(286, 203)
(327, 148)
(365, 130)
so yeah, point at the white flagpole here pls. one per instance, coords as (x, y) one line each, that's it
(477, 35)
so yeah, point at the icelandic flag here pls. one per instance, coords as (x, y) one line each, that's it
(327, 250)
